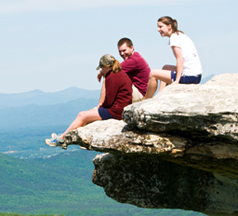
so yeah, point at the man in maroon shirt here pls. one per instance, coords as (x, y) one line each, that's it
(135, 66)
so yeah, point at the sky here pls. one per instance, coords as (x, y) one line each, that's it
(52, 45)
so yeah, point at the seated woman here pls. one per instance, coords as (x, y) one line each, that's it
(188, 69)
(118, 95)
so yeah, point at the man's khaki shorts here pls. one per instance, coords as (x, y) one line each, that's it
(136, 95)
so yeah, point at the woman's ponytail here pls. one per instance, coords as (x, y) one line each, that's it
(169, 21)
(116, 67)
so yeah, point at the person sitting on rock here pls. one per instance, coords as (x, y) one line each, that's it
(118, 95)
(135, 66)
(188, 69)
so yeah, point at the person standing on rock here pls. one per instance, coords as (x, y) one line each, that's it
(188, 69)
(135, 66)
(118, 95)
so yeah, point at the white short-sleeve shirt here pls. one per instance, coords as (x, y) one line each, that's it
(191, 62)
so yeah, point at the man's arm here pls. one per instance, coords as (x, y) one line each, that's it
(128, 65)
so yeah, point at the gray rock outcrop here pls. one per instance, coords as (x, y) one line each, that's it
(176, 150)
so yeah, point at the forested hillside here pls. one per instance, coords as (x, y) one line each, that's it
(16, 214)
(61, 185)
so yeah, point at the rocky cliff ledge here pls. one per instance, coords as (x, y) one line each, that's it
(177, 150)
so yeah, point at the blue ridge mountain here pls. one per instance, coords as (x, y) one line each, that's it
(23, 129)
(39, 97)
(32, 115)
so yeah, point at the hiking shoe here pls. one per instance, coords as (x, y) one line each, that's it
(54, 141)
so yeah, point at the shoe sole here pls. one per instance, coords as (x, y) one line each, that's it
(47, 142)
(53, 136)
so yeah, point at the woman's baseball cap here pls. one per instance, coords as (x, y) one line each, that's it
(106, 60)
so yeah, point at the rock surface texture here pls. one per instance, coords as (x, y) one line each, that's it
(176, 150)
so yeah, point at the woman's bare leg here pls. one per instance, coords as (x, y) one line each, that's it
(162, 86)
(82, 119)
(156, 74)
(163, 75)
(167, 68)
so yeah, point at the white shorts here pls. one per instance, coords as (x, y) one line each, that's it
(136, 95)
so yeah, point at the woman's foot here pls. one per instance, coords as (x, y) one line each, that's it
(54, 141)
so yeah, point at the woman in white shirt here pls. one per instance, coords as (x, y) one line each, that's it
(188, 69)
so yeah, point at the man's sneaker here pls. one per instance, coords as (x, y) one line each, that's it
(54, 141)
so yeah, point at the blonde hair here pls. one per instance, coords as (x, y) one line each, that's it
(116, 67)
(169, 21)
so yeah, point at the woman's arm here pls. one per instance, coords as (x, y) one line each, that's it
(102, 94)
(111, 86)
(179, 58)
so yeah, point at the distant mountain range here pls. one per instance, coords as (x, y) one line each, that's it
(39, 97)
(33, 115)
(27, 119)
(24, 129)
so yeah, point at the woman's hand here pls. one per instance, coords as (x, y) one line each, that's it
(99, 76)
(97, 106)
(178, 55)
(175, 82)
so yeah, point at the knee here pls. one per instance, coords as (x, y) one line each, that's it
(153, 74)
(81, 115)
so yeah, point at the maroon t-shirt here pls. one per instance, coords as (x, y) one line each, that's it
(138, 70)
(118, 93)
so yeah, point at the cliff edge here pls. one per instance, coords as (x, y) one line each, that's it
(176, 150)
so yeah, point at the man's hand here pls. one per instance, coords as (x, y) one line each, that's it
(99, 76)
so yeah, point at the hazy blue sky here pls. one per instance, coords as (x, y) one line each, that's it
(55, 44)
